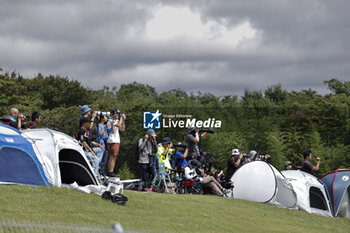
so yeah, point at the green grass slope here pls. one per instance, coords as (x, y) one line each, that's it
(146, 212)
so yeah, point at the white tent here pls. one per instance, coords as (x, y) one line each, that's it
(311, 194)
(62, 157)
(260, 182)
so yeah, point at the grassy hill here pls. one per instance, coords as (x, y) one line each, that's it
(147, 212)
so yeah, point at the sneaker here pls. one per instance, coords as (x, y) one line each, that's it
(225, 191)
(111, 174)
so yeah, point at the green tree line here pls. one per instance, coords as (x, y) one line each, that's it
(272, 121)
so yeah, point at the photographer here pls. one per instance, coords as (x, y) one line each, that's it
(147, 146)
(16, 119)
(164, 152)
(85, 112)
(307, 166)
(102, 131)
(233, 163)
(255, 156)
(193, 138)
(117, 123)
(181, 154)
(207, 160)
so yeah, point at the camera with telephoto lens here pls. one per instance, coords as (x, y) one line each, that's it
(99, 113)
(263, 158)
(183, 145)
(206, 131)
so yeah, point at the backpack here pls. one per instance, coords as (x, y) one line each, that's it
(137, 150)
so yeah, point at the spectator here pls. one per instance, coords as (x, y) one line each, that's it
(85, 112)
(253, 156)
(93, 154)
(233, 163)
(147, 146)
(102, 131)
(36, 119)
(212, 183)
(306, 166)
(16, 119)
(117, 123)
(181, 155)
(164, 152)
(218, 176)
(193, 138)
(288, 165)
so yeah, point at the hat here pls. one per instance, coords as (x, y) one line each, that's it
(84, 109)
(287, 163)
(190, 129)
(235, 152)
(151, 132)
(252, 153)
(166, 141)
(212, 156)
(85, 119)
(116, 111)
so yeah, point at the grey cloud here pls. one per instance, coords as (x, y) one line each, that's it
(303, 43)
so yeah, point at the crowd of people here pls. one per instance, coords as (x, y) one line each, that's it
(184, 158)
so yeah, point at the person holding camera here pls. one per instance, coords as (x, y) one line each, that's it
(16, 119)
(181, 155)
(193, 138)
(85, 112)
(307, 166)
(117, 123)
(94, 154)
(102, 131)
(164, 152)
(147, 146)
(233, 163)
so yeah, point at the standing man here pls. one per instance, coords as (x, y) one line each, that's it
(117, 123)
(93, 154)
(306, 166)
(193, 138)
(85, 112)
(147, 146)
(233, 163)
(36, 119)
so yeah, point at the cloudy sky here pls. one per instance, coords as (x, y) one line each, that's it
(216, 46)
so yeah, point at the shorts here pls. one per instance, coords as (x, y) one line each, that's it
(114, 149)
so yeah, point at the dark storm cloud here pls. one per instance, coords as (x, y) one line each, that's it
(299, 44)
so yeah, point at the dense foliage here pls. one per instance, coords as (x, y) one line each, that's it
(273, 121)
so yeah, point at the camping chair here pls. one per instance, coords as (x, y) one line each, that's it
(163, 176)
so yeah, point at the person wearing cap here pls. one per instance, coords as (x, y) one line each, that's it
(233, 163)
(117, 123)
(164, 152)
(85, 112)
(94, 154)
(288, 165)
(147, 147)
(36, 119)
(307, 166)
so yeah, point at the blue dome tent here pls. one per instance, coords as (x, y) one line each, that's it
(18, 161)
(337, 184)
